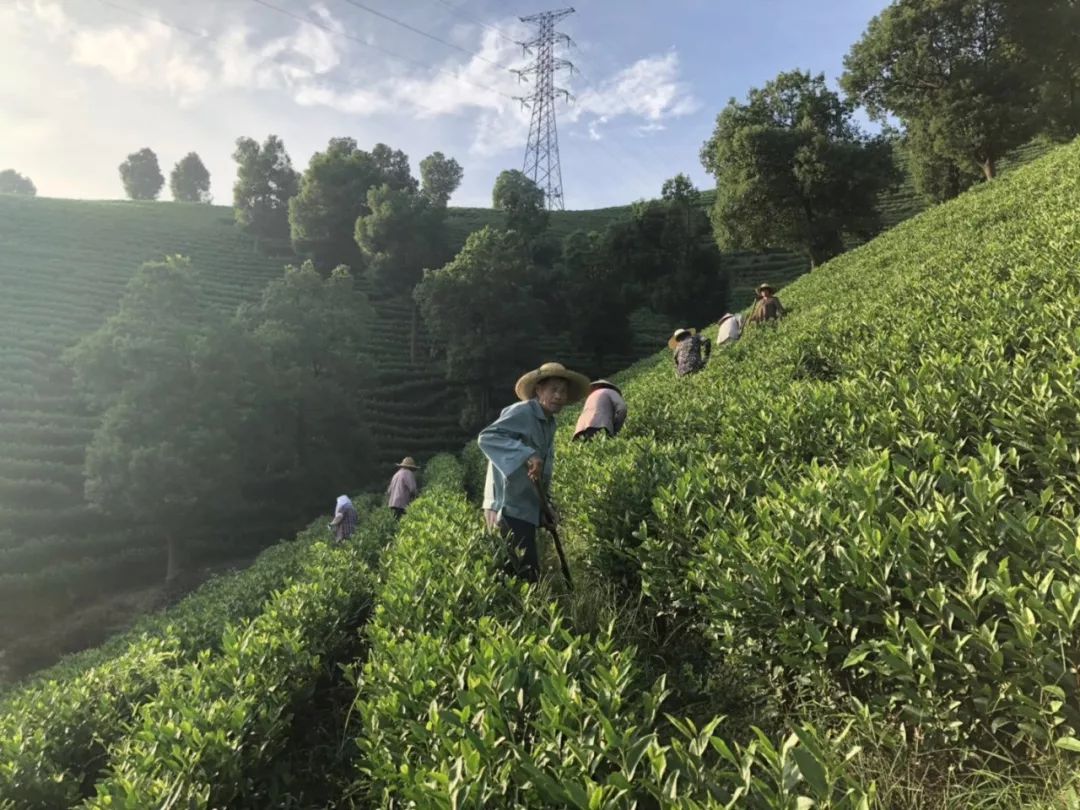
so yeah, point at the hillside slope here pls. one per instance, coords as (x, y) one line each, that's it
(838, 569)
(63, 268)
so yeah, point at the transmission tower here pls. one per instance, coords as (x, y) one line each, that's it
(542, 151)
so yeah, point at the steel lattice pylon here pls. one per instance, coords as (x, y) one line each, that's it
(542, 152)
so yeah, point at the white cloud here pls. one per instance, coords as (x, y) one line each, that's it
(649, 89)
(320, 67)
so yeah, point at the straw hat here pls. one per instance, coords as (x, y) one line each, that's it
(679, 335)
(577, 384)
(408, 463)
(605, 384)
(765, 286)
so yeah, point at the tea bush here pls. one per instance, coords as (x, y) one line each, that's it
(55, 730)
(877, 495)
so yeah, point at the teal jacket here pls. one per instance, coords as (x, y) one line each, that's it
(522, 431)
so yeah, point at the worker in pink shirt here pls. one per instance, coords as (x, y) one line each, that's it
(604, 410)
(403, 487)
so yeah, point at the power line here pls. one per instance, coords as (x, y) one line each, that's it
(366, 44)
(457, 10)
(422, 33)
(153, 18)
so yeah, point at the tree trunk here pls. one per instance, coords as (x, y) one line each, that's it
(989, 168)
(172, 564)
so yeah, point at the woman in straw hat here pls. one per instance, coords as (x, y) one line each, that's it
(768, 306)
(403, 487)
(690, 351)
(604, 411)
(520, 448)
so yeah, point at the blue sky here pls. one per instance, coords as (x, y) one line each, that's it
(85, 82)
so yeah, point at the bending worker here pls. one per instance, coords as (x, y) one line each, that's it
(344, 523)
(604, 412)
(520, 448)
(690, 351)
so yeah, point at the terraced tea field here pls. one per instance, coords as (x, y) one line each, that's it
(849, 582)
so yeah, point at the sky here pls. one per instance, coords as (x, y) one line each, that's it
(83, 83)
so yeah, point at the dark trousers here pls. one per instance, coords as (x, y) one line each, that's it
(520, 537)
(588, 434)
(398, 512)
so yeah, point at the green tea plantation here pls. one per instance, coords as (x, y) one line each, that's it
(839, 568)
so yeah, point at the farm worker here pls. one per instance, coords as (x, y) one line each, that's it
(344, 522)
(730, 330)
(767, 307)
(690, 351)
(403, 487)
(604, 411)
(520, 448)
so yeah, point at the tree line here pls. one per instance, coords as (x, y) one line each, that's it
(968, 81)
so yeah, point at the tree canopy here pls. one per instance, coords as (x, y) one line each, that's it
(333, 194)
(189, 180)
(141, 175)
(402, 233)
(793, 170)
(167, 450)
(11, 182)
(961, 73)
(482, 310)
(439, 177)
(265, 182)
(522, 201)
(308, 335)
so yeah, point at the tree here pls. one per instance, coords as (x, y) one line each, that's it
(1051, 32)
(402, 233)
(310, 337)
(11, 182)
(333, 194)
(265, 182)
(594, 298)
(522, 201)
(792, 170)
(937, 177)
(439, 177)
(189, 180)
(141, 175)
(168, 448)
(479, 308)
(958, 71)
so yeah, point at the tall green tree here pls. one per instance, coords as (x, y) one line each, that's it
(333, 194)
(189, 180)
(594, 300)
(665, 256)
(439, 177)
(265, 182)
(11, 182)
(168, 451)
(962, 73)
(793, 170)
(402, 233)
(482, 312)
(1051, 32)
(522, 201)
(141, 175)
(310, 339)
